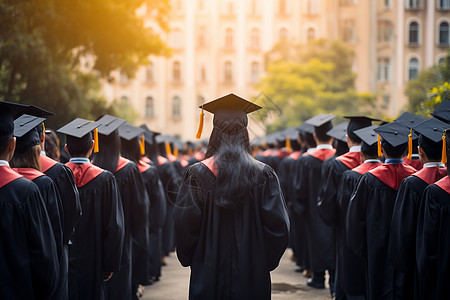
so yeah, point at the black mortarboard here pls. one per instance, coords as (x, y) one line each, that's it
(322, 123)
(129, 132)
(358, 122)
(109, 124)
(410, 120)
(26, 132)
(442, 112)
(79, 131)
(367, 135)
(393, 133)
(306, 128)
(339, 132)
(230, 102)
(149, 134)
(431, 129)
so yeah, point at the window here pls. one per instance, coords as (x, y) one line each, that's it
(229, 38)
(441, 60)
(228, 72)
(254, 8)
(201, 5)
(443, 4)
(229, 8)
(282, 7)
(123, 78)
(413, 4)
(384, 31)
(254, 39)
(201, 36)
(311, 7)
(149, 73)
(387, 4)
(176, 72)
(176, 107)
(283, 35)
(414, 33)
(254, 72)
(413, 68)
(149, 111)
(444, 34)
(383, 69)
(203, 74)
(347, 2)
(311, 34)
(348, 31)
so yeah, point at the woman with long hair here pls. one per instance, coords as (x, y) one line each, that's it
(231, 223)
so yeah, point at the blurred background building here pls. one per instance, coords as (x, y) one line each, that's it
(219, 46)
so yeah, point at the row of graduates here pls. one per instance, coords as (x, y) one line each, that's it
(369, 210)
(93, 228)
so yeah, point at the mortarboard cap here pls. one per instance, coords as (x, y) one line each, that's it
(129, 132)
(26, 132)
(442, 112)
(393, 133)
(432, 129)
(358, 122)
(78, 128)
(367, 135)
(320, 120)
(109, 124)
(149, 135)
(306, 128)
(339, 132)
(410, 120)
(230, 102)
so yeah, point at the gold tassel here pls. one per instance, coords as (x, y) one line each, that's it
(175, 151)
(43, 127)
(444, 148)
(380, 153)
(410, 144)
(168, 151)
(96, 146)
(200, 126)
(288, 144)
(142, 145)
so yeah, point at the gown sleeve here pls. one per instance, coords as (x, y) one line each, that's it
(299, 188)
(356, 218)
(327, 200)
(113, 227)
(158, 204)
(138, 205)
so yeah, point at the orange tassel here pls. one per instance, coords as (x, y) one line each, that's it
(43, 127)
(200, 126)
(96, 146)
(142, 145)
(288, 144)
(444, 148)
(380, 153)
(175, 151)
(410, 144)
(168, 151)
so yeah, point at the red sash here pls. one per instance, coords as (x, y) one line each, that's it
(184, 163)
(366, 167)
(143, 166)
(350, 159)
(46, 163)
(432, 174)
(295, 155)
(29, 173)
(199, 156)
(122, 163)
(84, 173)
(210, 164)
(323, 154)
(161, 160)
(146, 159)
(7, 175)
(444, 184)
(281, 153)
(268, 152)
(415, 163)
(393, 174)
(171, 157)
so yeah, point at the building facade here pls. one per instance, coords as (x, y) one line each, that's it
(219, 46)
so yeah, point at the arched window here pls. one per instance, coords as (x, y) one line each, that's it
(149, 110)
(444, 4)
(311, 34)
(414, 33)
(444, 33)
(203, 74)
(283, 34)
(201, 36)
(254, 72)
(124, 99)
(311, 7)
(176, 107)
(254, 38)
(413, 68)
(149, 73)
(229, 38)
(441, 60)
(282, 7)
(176, 72)
(228, 72)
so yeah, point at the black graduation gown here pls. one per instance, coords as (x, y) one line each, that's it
(97, 241)
(320, 236)
(368, 226)
(28, 254)
(402, 240)
(350, 268)
(433, 248)
(230, 251)
(131, 189)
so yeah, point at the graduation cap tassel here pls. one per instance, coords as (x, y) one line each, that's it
(444, 148)
(410, 144)
(142, 145)
(200, 126)
(96, 149)
(168, 151)
(175, 151)
(43, 127)
(380, 153)
(288, 144)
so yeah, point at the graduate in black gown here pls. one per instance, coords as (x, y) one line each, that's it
(411, 120)
(370, 213)
(231, 222)
(96, 245)
(402, 242)
(131, 188)
(350, 268)
(28, 254)
(433, 233)
(26, 162)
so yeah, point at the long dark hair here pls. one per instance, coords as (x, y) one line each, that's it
(108, 156)
(130, 150)
(30, 158)
(236, 167)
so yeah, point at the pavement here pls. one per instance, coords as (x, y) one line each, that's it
(286, 283)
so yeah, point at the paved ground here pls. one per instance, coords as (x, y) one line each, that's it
(286, 283)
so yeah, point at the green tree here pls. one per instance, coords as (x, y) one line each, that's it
(308, 79)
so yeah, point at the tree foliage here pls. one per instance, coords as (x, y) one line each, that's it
(42, 41)
(308, 79)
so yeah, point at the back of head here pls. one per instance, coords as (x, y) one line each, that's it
(130, 149)
(79, 147)
(28, 158)
(394, 152)
(108, 156)
(52, 145)
(432, 149)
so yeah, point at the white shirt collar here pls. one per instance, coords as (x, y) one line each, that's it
(310, 150)
(372, 161)
(4, 163)
(43, 153)
(434, 164)
(415, 156)
(355, 149)
(324, 146)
